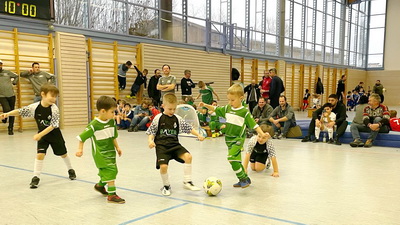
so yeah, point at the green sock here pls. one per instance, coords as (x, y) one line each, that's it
(111, 190)
(239, 170)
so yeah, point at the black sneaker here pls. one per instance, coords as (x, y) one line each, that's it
(72, 174)
(136, 128)
(35, 182)
(315, 141)
(101, 189)
(337, 142)
(306, 139)
(10, 131)
(331, 141)
(130, 129)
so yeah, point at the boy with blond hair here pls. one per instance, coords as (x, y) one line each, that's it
(163, 135)
(103, 132)
(47, 118)
(237, 118)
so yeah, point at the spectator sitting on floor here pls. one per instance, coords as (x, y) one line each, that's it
(282, 116)
(142, 115)
(394, 121)
(358, 118)
(375, 118)
(262, 112)
(340, 110)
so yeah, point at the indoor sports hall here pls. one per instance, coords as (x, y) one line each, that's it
(83, 43)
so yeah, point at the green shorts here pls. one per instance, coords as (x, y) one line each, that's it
(108, 174)
(235, 146)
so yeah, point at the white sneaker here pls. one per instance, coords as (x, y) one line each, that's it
(189, 185)
(166, 190)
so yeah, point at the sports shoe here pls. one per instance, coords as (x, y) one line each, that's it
(101, 189)
(315, 141)
(306, 139)
(282, 136)
(243, 183)
(276, 136)
(368, 143)
(189, 185)
(136, 128)
(166, 190)
(331, 141)
(35, 182)
(10, 131)
(214, 135)
(130, 129)
(128, 97)
(337, 142)
(72, 174)
(356, 143)
(115, 199)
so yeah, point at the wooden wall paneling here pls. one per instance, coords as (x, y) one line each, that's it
(102, 71)
(73, 85)
(115, 58)
(242, 70)
(254, 70)
(301, 85)
(248, 72)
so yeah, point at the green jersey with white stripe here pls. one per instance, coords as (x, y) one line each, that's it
(102, 135)
(236, 120)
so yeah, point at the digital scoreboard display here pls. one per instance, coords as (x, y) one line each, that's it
(38, 9)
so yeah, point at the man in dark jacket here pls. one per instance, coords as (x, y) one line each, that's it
(340, 110)
(276, 88)
(154, 94)
(140, 79)
(253, 94)
(340, 92)
(187, 85)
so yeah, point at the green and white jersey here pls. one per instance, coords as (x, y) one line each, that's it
(236, 120)
(102, 134)
(207, 95)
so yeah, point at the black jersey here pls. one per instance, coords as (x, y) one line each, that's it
(44, 116)
(166, 129)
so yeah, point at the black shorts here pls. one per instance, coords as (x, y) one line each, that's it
(165, 154)
(57, 144)
(258, 157)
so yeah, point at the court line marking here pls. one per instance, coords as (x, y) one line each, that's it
(153, 214)
(173, 198)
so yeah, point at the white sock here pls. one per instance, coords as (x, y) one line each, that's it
(330, 133)
(67, 162)
(317, 132)
(165, 179)
(187, 172)
(37, 170)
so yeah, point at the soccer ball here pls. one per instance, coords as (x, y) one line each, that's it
(212, 186)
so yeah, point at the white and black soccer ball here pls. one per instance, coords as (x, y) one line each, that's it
(212, 186)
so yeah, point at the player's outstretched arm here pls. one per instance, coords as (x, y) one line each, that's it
(246, 162)
(275, 166)
(260, 132)
(79, 153)
(14, 112)
(151, 141)
(39, 136)
(117, 147)
(199, 136)
(210, 107)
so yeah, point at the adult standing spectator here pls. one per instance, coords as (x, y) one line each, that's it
(276, 88)
(253, 94)
(262, 111)
(375, 118)
(166, 83)
(378, 89)
(319, 87)
(340, 110)
(340, 92)
(187, 85)
(122, 69)
(152, 90)
(282, 116)
(265, 84)
(359, 86)
(7, 95)
(37, 79)
(141, 78)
